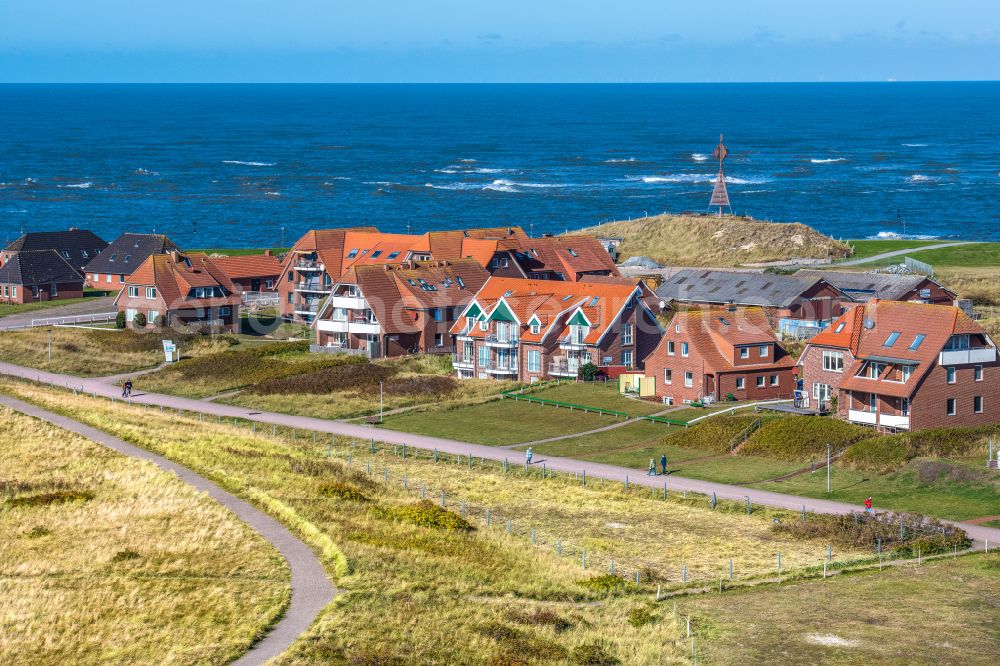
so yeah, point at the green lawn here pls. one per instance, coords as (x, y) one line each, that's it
(597, 394)
(688, 413)
(869, 248)
(939, 612)
(498, 422)
(953, 489)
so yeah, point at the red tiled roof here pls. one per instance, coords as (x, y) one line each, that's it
(248, 266)
(716, 333)
(175, 274)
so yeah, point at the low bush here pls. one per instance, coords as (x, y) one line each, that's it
(120, 319)
(140, 320)
(343, 491)
(606, 583)
(639, 617)
(802, 437)
(713, 434)
(426, 513)
(37, 532)
(876, 454)
(421, 385)
(518, 646)
(594, 654)
(344, 373)
(125, 556)
(542, 617)
(45, 499)
(928, 534)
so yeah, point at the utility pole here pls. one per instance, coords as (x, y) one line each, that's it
(50, 345)
(827, 469)
(380, 403)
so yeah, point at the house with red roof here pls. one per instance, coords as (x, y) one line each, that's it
(185, 289)
(322, 256)
(710, 355)
(904, 366)
(394, 309)
(251, 272)
(529, 330)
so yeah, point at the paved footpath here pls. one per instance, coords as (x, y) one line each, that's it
(565, 465)
(311, 590)
(893, 253)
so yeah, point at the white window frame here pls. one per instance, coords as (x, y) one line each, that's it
(744, 352)
(626, 333)
(741, 383)
(671, 347)
(536, 328)
(133, 291)
(774, 380)
(951, 375)
(833, 361)
(438, 340)
(685, 348)
(627, 358)
(761, 381)
(150, 293)
(225, 311)
(668, 376)
(534, 360)
(108, 276)
(951, 406)
(762, 350)
(688, 378)
(978, 370)
(976, 410)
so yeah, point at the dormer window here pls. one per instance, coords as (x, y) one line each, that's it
(536, 328)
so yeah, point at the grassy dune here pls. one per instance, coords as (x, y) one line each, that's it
(419, 594)
(109, 560)
(688, 240)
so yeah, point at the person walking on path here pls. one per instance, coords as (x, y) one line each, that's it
(128, 388)
(868, 505)
(528, 455)
(652, 467)
(663, 463)
(124, 389)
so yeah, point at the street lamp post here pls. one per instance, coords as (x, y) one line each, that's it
(380, 403)
(827, 469)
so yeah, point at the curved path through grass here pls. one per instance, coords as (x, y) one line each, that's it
(897, 253)
(311, 590)
(99, 387)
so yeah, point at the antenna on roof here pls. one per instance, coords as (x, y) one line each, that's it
(720, 195)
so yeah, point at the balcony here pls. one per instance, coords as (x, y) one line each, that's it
(307, 265)
(492, 340)
(964, 356)
(570, 342)
(358, 326)
(349, 302)
(564, 369)
(313, 287)
(859, 416)
(462, 362)
(340, 349)
(307, 307)
(894, 421)
(497, 370)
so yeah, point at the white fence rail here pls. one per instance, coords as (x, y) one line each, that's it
(103, 317)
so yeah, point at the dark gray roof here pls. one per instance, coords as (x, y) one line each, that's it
(863, 286)
(705, 286)
(77, 246)
(127, 252)
(39, 267)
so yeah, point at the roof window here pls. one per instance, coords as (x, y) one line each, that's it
(567, 297)
(594, 301)
(353, 253)
(507, 293)
(412, 282)
(461, 282)
(891, 340)
(572, 252)
(919, 338)
(839, 328)
(724, 321)
(393, 255)
(113, 257)
(127, 258)
(376, 254)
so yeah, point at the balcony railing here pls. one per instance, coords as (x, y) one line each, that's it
(462, 362)
(494, 340)
(564, 369)
(307, 306)
(964, 356)
(314, 286)
(306, 265)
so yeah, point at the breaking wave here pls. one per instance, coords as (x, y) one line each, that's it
(620, 160)
(892, 235)
(699, 157)
(242, 163)
(77, 186)
(695, 178)
(915, 145)
(145, 172)
(920, 178)
(828, 160)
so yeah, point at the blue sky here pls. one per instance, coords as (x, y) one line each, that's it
(540, 40)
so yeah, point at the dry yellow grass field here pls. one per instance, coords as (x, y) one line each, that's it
(110, 560)
(688, 240)
(415, 594)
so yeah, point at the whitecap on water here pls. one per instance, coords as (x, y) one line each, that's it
(77, 186)
(243, 163)
(827, 160)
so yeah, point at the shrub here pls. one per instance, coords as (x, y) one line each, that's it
(606, 583)
(140, 320)
(55, 497)
(125, 556)
(589, 372)
(798, 437)
(338, 374)
(883, 454)
(426, 513)
(593, 654)
(37, 532)
(518, 646)
(919, 531)
(342, 491)
(638, 617)
(120, 319)
(160, 321)
(542, 616)
(876, 454)
(430, 385)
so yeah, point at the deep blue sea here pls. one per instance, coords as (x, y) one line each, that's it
(231, 165)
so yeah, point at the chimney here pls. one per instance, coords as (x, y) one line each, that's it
(267, 253)
(175, 256)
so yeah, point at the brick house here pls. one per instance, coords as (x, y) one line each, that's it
(861, 287)
(186, 289)
(713, 354)
(795, 306)
(251, 272)
(396, 309)
(905, 366)
(76, 246)
(530, 330)
(110, 268)
(30, 276)
(321, 257)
